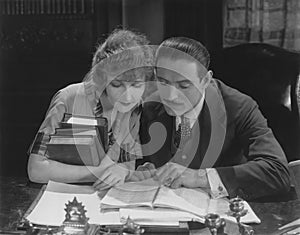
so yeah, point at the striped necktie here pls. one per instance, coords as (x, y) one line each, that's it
(183, 133)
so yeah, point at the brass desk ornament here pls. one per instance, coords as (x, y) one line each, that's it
(130, 227)
(76, 222)
(237, 210)
(215, 223)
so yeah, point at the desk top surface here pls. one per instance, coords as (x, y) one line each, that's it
(16, 195)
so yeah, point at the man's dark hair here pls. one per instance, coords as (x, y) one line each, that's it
(189, 46)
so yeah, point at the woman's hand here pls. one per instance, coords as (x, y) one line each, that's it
(111, 174)
(143, 172)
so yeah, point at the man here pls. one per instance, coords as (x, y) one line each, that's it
(215, 136)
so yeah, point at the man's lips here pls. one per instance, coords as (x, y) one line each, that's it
(171, 103)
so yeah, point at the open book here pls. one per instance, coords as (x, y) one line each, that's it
(150, 194)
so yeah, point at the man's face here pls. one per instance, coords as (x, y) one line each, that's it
(179, 85)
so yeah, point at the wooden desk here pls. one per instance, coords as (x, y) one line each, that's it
(17, 195)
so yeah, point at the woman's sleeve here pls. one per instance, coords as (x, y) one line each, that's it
(52, 119)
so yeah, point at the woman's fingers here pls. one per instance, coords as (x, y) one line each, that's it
(102, 178)
(109, 184)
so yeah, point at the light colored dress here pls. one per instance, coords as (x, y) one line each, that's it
(82, 99)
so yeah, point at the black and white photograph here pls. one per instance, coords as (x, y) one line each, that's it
(150, 117)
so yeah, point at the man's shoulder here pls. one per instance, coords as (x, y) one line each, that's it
(233, 98)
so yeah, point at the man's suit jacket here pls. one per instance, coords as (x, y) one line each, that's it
(251, 163)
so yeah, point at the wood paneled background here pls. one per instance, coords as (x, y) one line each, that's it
(47, 44)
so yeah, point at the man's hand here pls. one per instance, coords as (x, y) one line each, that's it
(143, 172)
(175, 176)
(111, 174)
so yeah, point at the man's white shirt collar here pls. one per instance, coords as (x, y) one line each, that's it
(193, 114)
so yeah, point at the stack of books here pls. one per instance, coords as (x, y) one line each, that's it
(79, 140)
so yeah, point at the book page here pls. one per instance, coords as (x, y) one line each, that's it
(130, 194)
(73, 140)
(166, 197)
(82, 121)
(75, 131)
(196, 197)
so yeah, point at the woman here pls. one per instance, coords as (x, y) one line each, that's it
(113, 88)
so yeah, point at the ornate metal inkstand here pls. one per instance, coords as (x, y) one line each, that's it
(130, 227)
(237, 210)
(76, 222)
(215, 223)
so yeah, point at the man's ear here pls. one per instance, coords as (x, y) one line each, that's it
(206, 79)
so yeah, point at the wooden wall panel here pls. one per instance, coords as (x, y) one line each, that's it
(44, 46)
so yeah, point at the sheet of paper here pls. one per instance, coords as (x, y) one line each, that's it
(53, 186)
(50, 208)
(82, 121)
(196, 197)
(293, 223)
(131, 194)
(157, 216)
(167, 198)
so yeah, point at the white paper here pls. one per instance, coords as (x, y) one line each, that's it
(194, 201)
(131, 194)
(293, 223)
(53, 186)
(82, 121)
(50, 208)
(167, 198)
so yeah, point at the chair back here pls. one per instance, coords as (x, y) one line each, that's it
(271, 76)
(294, 168)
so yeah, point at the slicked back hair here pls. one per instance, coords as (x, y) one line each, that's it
(189, 46)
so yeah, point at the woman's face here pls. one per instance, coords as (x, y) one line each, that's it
(125, 92)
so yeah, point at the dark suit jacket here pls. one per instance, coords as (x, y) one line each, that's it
(250, 162)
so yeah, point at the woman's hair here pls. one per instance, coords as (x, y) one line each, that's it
(189, 46)
(119, 40)
(125, 51)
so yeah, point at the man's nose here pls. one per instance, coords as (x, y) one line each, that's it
(171, 93)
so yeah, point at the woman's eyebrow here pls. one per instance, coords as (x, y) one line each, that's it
(161, 78)
(117, 79)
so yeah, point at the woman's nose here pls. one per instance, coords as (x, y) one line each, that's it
(127, 95)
